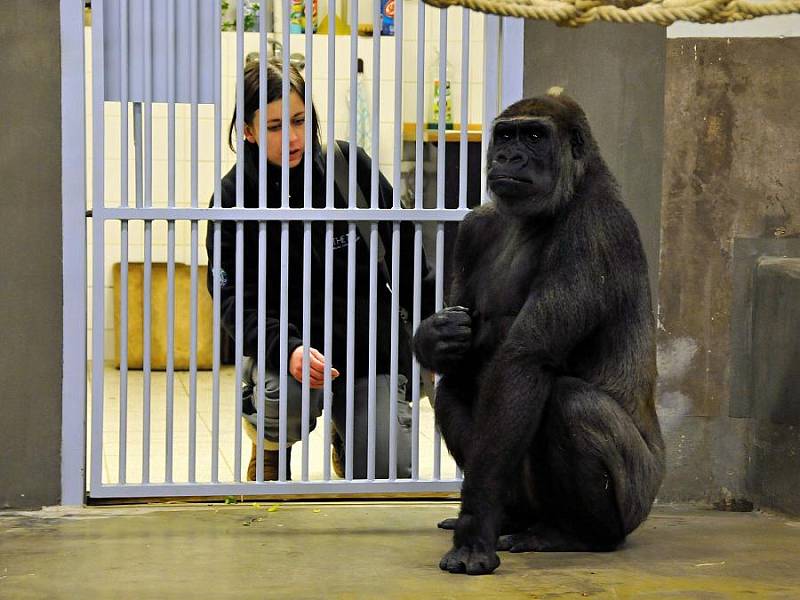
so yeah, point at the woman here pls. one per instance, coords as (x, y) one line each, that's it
(226, 271)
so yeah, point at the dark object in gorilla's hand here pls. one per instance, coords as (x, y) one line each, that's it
(546, 395)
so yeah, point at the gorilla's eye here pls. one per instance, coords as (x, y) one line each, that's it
(534, 133)
(504, 132)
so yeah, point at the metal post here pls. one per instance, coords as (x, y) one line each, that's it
(73, 189)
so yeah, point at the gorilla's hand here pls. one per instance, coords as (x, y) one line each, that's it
(443, 340)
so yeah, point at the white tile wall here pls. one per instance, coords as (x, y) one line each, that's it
(319, 92)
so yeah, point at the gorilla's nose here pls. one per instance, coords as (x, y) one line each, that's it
(509, 158)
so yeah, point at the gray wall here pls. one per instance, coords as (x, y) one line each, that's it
(730, 192)
(616, 73)
(720, 114)
(30, 254)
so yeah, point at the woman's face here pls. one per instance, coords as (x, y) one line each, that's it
(296, 130)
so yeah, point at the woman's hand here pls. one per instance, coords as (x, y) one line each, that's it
(316, 367)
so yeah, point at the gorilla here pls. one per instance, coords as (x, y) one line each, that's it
(546, 352)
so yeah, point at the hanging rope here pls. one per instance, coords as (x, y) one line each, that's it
(575, 13)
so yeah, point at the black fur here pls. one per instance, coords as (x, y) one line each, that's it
(548, 356)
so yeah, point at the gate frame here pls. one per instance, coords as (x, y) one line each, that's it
(504, 48)
(73, 218)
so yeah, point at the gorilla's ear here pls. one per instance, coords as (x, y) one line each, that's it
(577, 142)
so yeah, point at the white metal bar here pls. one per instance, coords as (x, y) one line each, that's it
(351, 326)
(305, 389)
(73, 228)
(284, 323)
(239, 276)
(194, 83)
(418, 164)
(329, 203)
(308, 189)
(373, 347)
(123, 355)
(442, 124)
(463, 148)
(376, 102)
(398, 104)
(439, 301)
(286, 214)
(373, 256)
(351, 248)
(148, 237)
(138, 153)
(414, 364)
(261, 350)
(327, 397)
(418, 205)
(357, 488)
(262, 247)
(122, 451)
(98, 244)
(440, 204)
(353, 103)
(396, 204)
(511, 60)
(170, 404)
(284, 351)
(217, 246)
(490, 89)
(393, 364)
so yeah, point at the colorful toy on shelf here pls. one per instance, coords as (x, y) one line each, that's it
(387, 17)
(297, 16)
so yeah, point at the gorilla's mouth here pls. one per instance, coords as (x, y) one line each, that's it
(501, 178)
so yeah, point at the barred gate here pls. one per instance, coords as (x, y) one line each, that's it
(158, 70)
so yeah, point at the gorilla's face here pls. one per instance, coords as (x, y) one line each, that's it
(521, 163)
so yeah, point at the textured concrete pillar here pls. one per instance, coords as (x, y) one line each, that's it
(30, 254)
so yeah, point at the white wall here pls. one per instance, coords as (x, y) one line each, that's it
(319, 91)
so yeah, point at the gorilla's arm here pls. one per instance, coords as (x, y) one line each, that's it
(563, 308)
(443, 340)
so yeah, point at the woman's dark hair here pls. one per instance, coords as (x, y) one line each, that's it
(274, 70)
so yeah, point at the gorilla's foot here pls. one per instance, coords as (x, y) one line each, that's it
(507, 526)
(542, 538)
(520, 542)
(470, 561)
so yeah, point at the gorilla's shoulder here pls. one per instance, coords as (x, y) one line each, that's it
(478, 222)
(481, 216)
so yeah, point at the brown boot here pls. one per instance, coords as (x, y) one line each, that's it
(337, 454)
(271, 461)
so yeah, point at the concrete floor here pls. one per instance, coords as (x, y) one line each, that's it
(375, 550)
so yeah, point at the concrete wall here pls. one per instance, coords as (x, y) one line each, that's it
(617, 75)
(30, 254)
(731, 147)
(719, 111)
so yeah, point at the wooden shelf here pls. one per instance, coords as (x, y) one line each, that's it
(474, 131)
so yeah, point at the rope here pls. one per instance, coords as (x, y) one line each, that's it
(575, 13)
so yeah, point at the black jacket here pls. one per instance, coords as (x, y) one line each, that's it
(295, 280)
